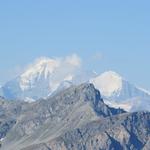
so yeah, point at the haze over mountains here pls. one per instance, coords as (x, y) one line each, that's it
(47, 76)
(56, 105)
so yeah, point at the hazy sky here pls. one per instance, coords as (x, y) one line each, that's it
(107, 35)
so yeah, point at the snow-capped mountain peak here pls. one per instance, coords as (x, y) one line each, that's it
(42, 67)
(46, 77)
(108, 82)
(41, 78)
(118, 92)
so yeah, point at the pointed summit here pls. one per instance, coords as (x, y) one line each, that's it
(118, 92)
(41, 68)
(41, 78)
(108, 82)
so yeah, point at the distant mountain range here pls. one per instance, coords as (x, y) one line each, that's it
(45, 78)
(41, 79)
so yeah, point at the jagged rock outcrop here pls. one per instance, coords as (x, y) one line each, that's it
(9, 111)
(47, 119)
(76, 119)
(121, 132)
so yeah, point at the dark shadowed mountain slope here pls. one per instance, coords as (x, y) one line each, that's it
(9, 112)
(120, 132)
(75, 119)
(47, 119)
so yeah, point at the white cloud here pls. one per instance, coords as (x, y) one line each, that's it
(68, 66)
(74, 60)
(62, 67)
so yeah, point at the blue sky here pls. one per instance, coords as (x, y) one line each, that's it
(107, 35)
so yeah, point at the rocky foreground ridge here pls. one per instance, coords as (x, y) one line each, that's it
(74, 119)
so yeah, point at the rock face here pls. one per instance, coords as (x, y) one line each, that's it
(75, 119)
(46, 119)
(123, 132)
(9, 111)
